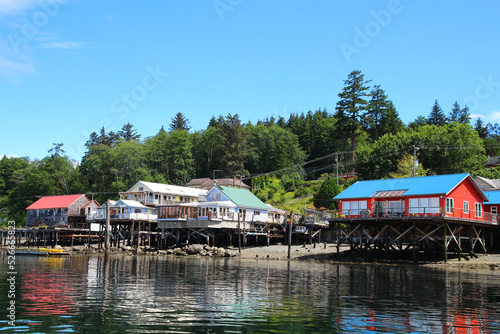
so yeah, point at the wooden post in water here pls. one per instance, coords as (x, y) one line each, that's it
(108, 203)
(290, 235)
(414, 244)
(239, 231)
(445, 240)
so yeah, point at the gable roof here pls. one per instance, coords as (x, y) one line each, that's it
(198, 182)
(243, 198)
(170, 189)
(55, 202)
(129, 203)
(411, 186)
(208, 182)
(487, 184)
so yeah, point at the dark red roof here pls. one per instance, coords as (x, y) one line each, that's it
(54, 202)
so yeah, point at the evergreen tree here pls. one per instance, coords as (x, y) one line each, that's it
(377, 109)
(455, 113)
(391, 123)
(418, 122)
(464, 117)
(233, 145)
(482, 130)
(128, 133)
(437, 116)
(323, 197)
(179, 122)
(351, 106)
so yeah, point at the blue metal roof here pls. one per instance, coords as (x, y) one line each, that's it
(493, 196)
(412, 186)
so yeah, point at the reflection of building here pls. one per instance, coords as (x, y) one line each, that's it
(67, 210)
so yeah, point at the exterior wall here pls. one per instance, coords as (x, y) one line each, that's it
(75, 207)
(48, 217)
(425, 206)
(213, 193)
(465, 191)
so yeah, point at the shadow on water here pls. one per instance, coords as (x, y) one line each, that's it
(141, 294)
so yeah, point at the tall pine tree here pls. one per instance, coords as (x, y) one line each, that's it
(351, 106)
(437, 116)
(179, 122)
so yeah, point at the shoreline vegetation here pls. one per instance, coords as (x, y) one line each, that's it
(320, 252)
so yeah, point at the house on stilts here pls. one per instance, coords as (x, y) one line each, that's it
(220, 215)
(418, 215)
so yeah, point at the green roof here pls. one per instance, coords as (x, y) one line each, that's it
(243, 198)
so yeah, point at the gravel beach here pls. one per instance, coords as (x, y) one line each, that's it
(328, 252)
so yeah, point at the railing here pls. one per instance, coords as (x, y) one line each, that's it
(417, 212)
(125, 215)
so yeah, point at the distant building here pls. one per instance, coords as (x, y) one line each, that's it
(66, 210)
(153, 194)
(223, 207)
(207, 183)
(124, 210)
(487, 184)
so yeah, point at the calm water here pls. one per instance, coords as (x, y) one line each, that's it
(121, 294)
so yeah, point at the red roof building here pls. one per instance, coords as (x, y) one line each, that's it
(63, 210)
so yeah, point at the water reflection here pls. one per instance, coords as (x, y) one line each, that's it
(198, 295)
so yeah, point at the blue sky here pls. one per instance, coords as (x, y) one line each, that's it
(69, 67)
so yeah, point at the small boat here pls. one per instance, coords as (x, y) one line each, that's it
(42, 252)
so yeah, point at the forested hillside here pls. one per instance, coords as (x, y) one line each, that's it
(279, 157)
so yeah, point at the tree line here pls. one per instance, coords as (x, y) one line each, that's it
(364, 135)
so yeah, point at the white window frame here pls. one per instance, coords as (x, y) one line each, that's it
(466, 207)
(495, 209)
(479, 210)
(449, 204)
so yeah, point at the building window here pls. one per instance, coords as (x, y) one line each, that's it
(449, 205)
(494, 210)
(479, 208)
(216, 197)
(141, 188)
(466, 207)
(257, 213)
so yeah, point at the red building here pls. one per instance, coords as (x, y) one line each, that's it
(66, 210)
(447, 196)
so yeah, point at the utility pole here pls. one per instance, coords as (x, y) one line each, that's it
(240, 176)
(213, 174)
(337, 162)
(415, 149)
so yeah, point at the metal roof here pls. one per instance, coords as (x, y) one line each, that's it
(412, 186)
(170, 189)
(243, 198)
(493, 196)
(54, 202)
